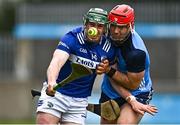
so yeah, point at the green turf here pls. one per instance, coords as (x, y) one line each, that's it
(7, 121)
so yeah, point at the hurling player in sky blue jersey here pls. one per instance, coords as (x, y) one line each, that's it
(68, 106)
(131, 71)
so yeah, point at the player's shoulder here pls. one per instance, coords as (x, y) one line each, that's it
(136, 36)
(77, 30)
(73, 35)
(78, 34)
(74, 32)
(138, 42)
(106, 44)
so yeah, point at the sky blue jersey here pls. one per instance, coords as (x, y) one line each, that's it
(84, 53)
(146, 84)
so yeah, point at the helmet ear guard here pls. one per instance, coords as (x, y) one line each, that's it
(85, 19)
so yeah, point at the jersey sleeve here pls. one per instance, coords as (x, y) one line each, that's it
(66, 42)
(135, 61)
(114, 59)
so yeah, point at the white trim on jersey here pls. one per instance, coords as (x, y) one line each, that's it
(80, 38)
(142, 84)
(107, 46)
(149, 96)
(83, 61)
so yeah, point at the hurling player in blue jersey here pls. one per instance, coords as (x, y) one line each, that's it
(68, 106)
(131, 71)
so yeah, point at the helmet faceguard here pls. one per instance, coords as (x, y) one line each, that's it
(121, 15)
(97, 16)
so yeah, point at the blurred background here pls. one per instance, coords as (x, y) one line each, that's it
(30, 30)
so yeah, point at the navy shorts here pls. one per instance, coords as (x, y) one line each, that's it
(142, 97)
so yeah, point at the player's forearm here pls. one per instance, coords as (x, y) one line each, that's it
(123, 92)
(53, 71)
(58, 60)
(127, 80)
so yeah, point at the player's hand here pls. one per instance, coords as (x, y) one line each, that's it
(103, 67)
(50, 91)
(142, 108)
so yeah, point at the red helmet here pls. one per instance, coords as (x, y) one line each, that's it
(122, 14)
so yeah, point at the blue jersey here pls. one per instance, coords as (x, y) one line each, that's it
(84, 53)
(135, 42)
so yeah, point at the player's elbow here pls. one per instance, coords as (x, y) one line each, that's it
(133, 85)
(134, 80)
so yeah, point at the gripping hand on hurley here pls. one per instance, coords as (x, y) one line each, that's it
(50, 89)
(103, 67)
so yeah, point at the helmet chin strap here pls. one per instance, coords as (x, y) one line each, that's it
(132, 29)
